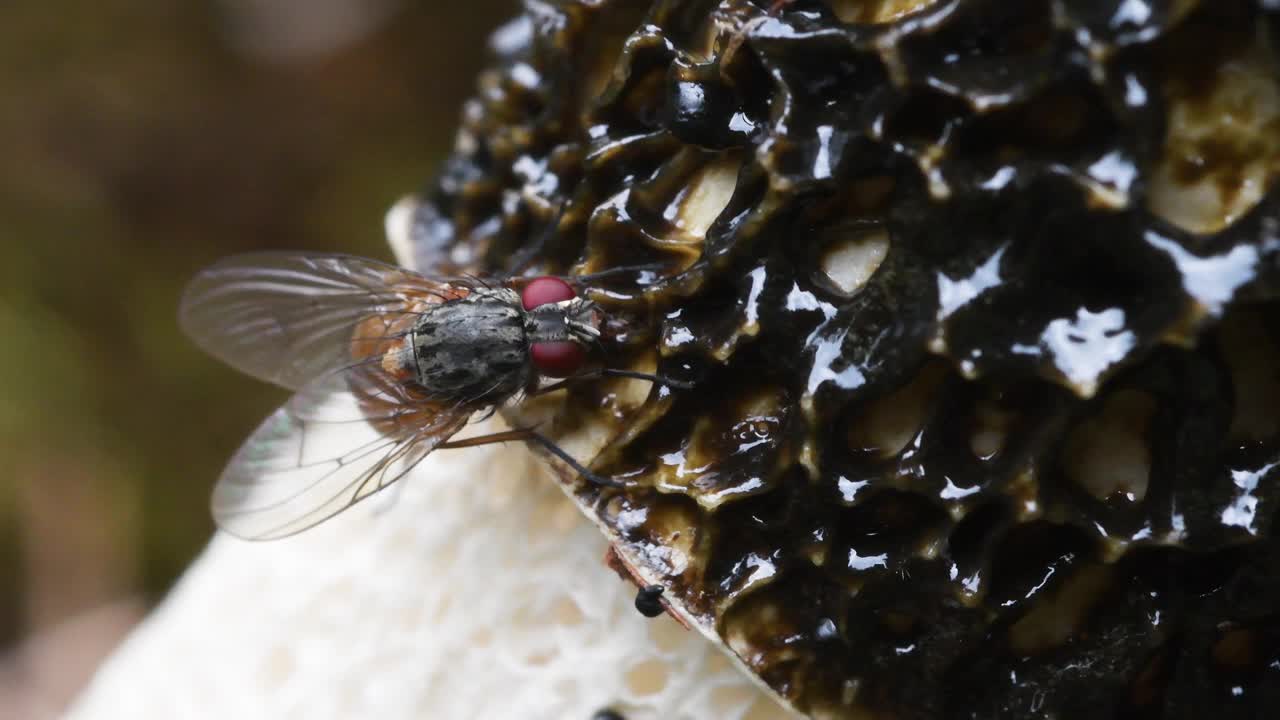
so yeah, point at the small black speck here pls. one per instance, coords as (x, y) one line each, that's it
(608, 714)
(649, 601)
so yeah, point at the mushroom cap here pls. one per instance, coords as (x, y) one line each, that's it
(980, 303)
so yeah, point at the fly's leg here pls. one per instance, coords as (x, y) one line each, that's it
(587, 475)
(579, 282)
(615, 271)
(529, 435)
(610, 372)
(659, 379)
(491, 438)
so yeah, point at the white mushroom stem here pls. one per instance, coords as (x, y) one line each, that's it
(479, 592)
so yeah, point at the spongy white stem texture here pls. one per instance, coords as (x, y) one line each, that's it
(477, 591)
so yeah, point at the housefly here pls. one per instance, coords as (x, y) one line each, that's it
(387, 366)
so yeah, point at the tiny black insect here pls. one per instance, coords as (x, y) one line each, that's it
(649, 601)
(608, 714)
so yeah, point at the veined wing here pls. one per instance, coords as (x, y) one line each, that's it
(289, 318)
(338, 441)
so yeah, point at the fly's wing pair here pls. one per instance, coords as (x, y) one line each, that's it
(319, 325)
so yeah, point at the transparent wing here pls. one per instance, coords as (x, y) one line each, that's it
(290, 318)
(338, 441)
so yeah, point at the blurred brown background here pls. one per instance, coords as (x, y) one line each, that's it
(140, 140)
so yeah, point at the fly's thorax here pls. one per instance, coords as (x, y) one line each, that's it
(473, 350)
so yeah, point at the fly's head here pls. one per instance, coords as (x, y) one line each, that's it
(576, 320)
(559, 326)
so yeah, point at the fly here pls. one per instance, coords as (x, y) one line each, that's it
(387, 366)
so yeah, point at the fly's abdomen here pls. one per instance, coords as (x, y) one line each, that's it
(473, 350)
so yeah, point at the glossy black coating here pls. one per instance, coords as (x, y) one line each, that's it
(1030, 466)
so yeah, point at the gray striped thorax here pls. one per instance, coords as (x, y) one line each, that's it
(475, 350)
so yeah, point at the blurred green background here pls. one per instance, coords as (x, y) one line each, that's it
(140, 140)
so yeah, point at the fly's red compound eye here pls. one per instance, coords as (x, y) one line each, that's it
(557, 359)
(545, 290)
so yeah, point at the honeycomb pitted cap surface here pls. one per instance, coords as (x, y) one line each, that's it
(980, 301)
